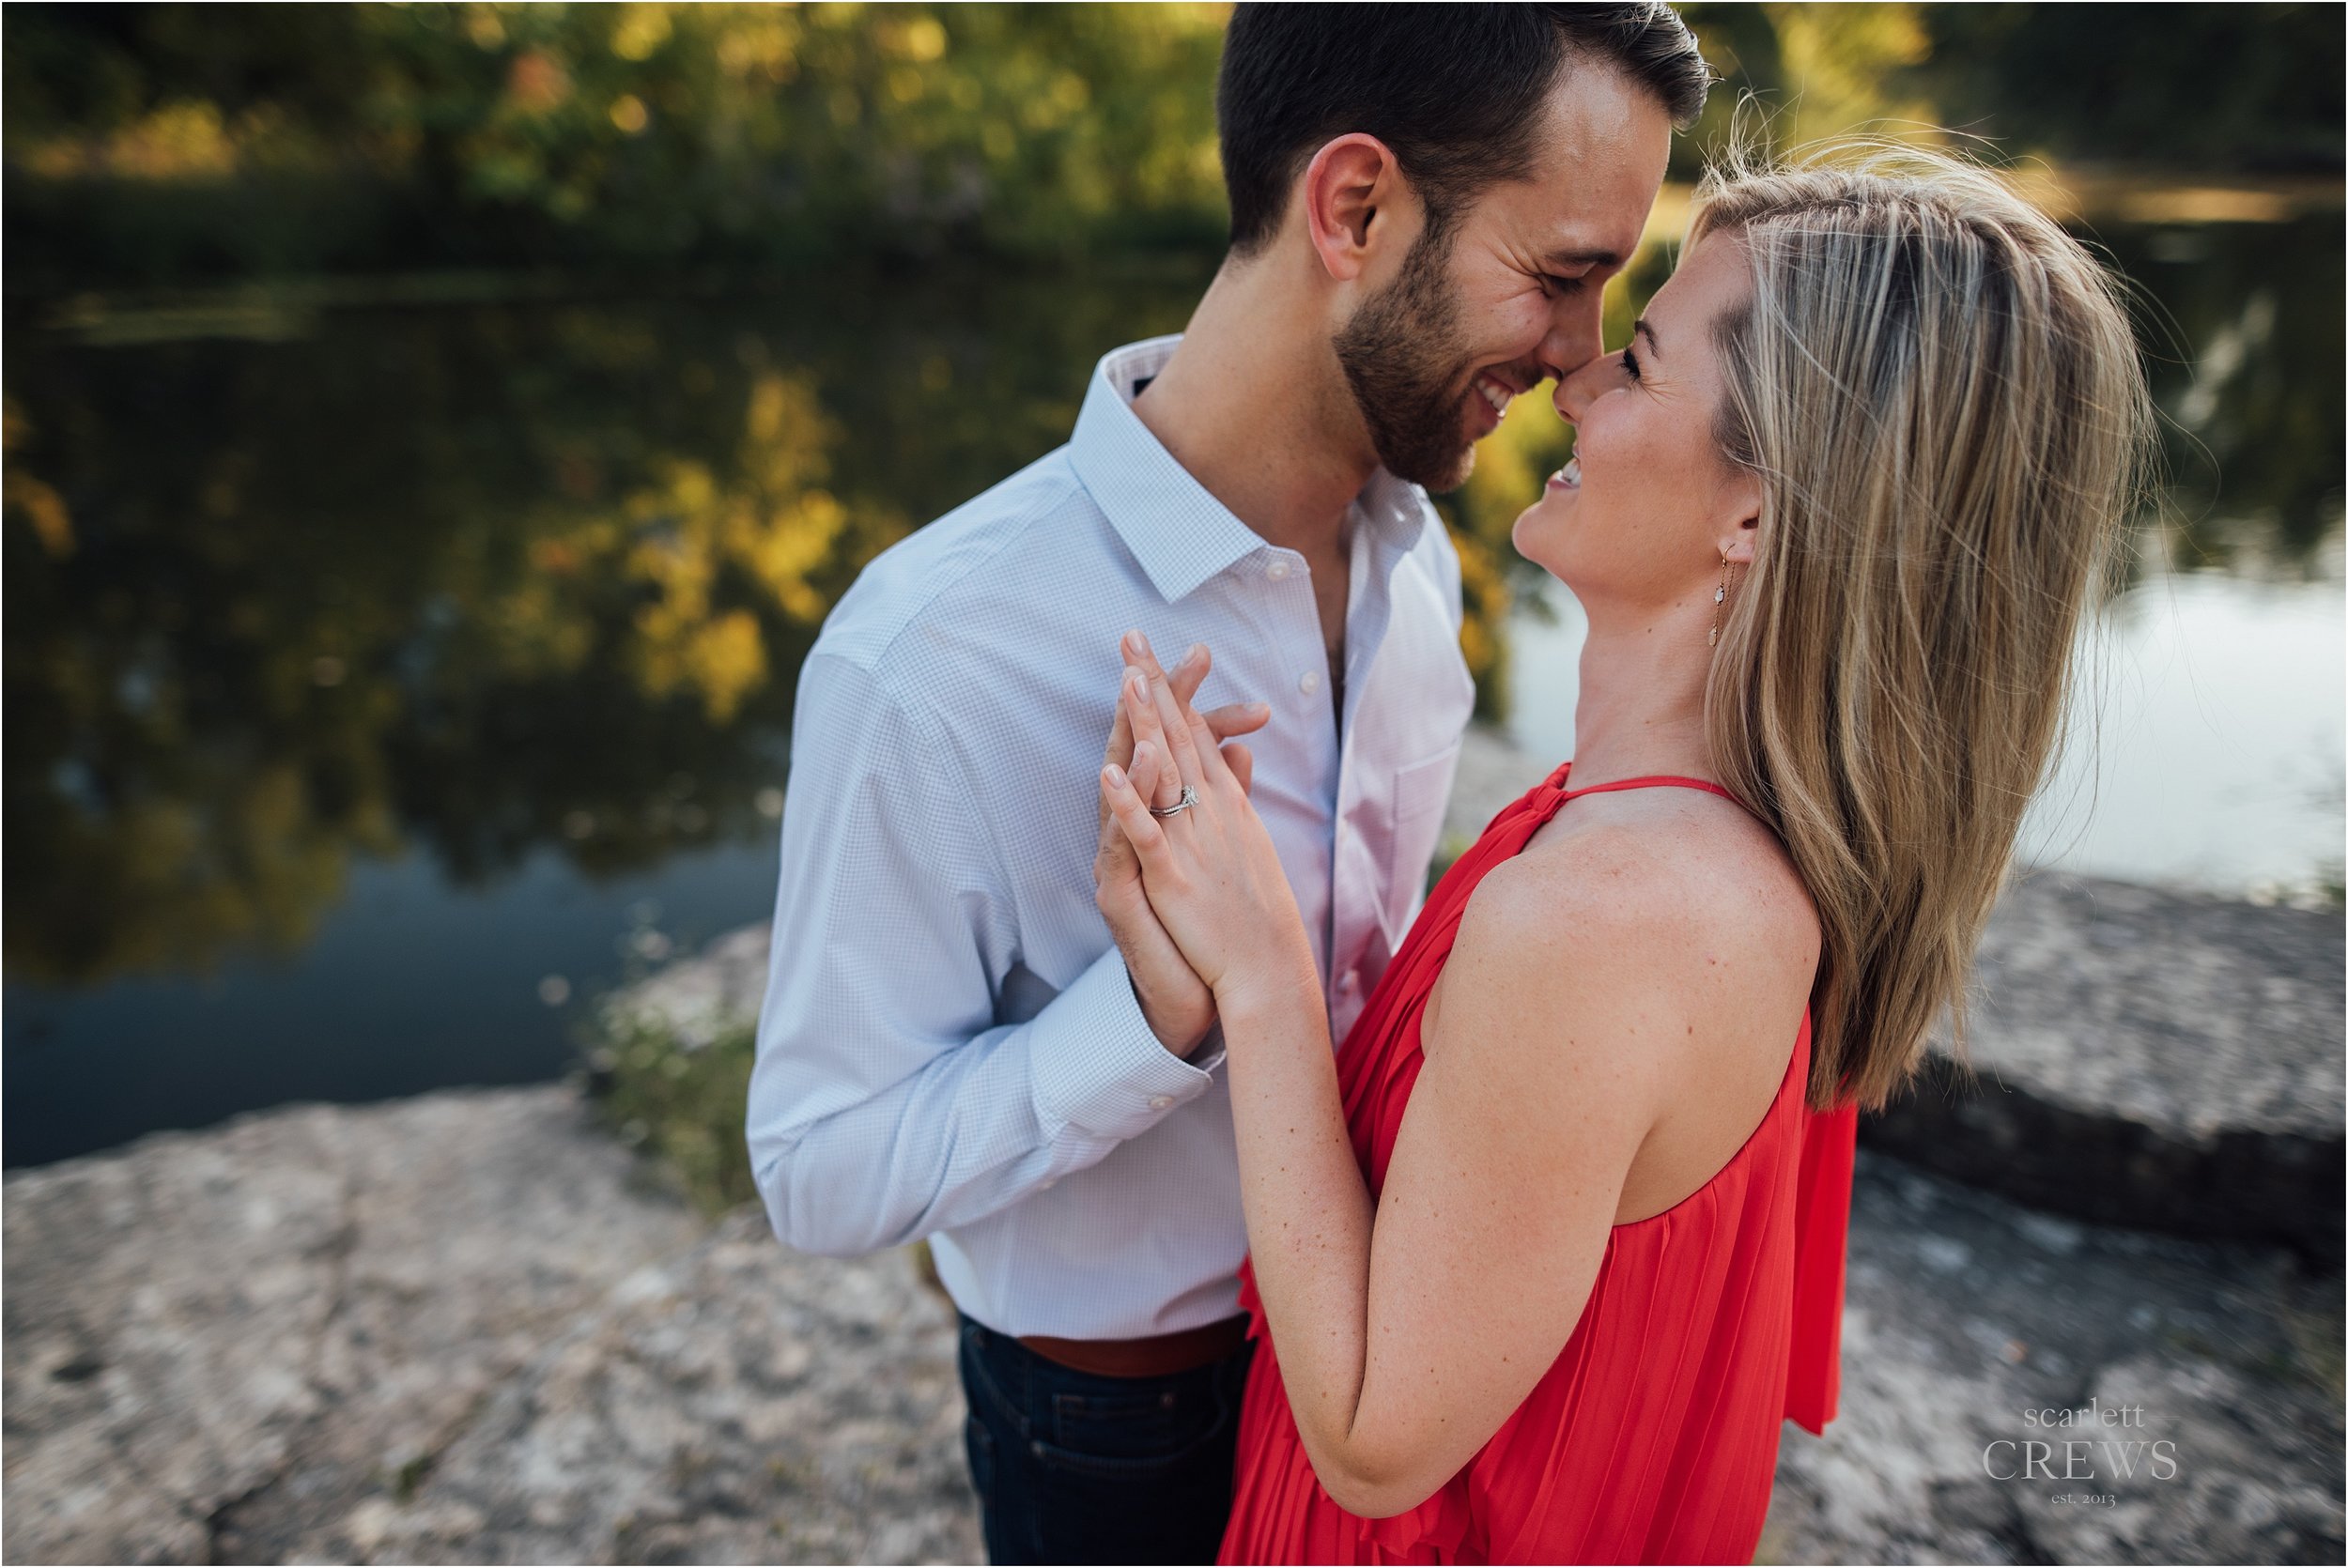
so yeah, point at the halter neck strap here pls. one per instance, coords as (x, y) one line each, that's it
(1651, 781)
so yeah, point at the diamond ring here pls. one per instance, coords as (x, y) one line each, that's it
(1190, 798)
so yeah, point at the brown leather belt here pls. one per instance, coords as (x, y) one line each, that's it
(1158, 1356)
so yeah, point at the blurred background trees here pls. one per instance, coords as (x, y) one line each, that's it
(664, 147)
(175, 143)
(150, 144)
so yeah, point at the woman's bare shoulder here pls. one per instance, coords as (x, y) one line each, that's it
(1645, 898)
(1639, 975)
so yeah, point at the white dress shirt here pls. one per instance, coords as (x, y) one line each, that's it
(950, 1046)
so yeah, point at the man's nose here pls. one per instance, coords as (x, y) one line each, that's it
(1576, 334)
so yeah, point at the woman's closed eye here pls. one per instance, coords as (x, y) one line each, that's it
(1631, 364)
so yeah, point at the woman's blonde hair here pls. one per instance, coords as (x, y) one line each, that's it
(1941, 393)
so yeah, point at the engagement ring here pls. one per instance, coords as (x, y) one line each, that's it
(1190, 798)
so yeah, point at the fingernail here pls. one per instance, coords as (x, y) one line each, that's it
(1115, 775)
(1136, 683)
(1133, 643)
(1259, 707)
(1198, 651)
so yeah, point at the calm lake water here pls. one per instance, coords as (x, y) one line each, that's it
(388, 676)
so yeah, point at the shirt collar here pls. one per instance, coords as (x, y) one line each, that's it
(1179, 532)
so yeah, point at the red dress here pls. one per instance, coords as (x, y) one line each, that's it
(1653, 1439)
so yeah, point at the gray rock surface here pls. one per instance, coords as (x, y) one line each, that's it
(458, 1329)
(252, 1344)
(2211, 1015)
(1966, 1313)
(737, 1404)
(2140, 1056)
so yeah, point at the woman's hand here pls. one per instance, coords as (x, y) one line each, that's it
(1175, 1002)
(1211, 876)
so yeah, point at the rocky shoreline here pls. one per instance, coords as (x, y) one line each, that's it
(467, 1328)
(463, 1328)
(473, 1326)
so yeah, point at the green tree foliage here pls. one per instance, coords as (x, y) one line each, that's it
(163, 142)
(174, 143)
(2227, 87)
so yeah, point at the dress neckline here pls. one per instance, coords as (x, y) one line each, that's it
(1645, 781)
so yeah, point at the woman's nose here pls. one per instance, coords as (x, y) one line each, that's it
(1577, 387)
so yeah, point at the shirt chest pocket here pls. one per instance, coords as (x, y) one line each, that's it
(1415, 807)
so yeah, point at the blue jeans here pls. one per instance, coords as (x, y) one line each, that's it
(1072, 1466)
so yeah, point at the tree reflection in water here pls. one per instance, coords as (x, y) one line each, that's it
(469, 581)
(479, 580)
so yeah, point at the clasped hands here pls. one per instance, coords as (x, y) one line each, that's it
(1197, 901)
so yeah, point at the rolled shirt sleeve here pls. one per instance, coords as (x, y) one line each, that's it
(888, 1099)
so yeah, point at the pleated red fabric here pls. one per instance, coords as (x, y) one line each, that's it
(1653, 1439)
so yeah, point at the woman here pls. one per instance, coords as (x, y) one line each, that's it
(1834, 515)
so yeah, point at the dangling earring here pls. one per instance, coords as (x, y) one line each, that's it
(1719, 597)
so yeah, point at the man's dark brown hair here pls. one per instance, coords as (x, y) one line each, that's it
(1455, 90)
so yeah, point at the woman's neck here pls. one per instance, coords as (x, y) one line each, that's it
(1639, 714)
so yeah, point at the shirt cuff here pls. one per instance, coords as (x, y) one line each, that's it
(1098, 1065)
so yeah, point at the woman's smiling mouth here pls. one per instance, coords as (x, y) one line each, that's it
(1567, 478)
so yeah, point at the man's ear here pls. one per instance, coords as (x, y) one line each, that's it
(1351, 185)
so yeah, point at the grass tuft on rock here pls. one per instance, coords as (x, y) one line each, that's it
(678, 1096)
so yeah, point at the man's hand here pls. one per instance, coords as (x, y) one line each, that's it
(1177, 1004)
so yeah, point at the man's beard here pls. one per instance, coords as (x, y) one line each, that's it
(1403, 357)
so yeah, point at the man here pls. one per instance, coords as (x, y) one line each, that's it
(1426, 204)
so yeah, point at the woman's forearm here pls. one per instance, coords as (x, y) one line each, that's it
(1310, 1213)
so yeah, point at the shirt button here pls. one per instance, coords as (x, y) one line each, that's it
(1308, 683)
(1048, 1181)
(1277, 571)
(1348, 982)
(1159, 1102)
